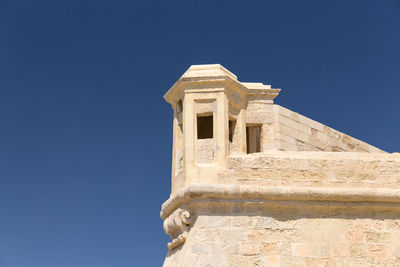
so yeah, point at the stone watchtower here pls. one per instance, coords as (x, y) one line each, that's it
(255, 184)
(209, 121)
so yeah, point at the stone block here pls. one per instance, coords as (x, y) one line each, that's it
(249, 249)
(299, 249)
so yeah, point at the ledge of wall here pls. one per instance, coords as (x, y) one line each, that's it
(278, 193)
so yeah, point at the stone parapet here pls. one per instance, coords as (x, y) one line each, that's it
(314, 169)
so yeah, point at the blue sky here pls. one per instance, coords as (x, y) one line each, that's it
(85, 136)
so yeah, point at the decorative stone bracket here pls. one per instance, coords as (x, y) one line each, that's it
(177, 226)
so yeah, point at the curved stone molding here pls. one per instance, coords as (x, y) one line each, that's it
(177, 226)
(219, 191)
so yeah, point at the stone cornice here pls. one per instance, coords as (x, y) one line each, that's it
(278, 193)
(188, 84)
(202, 76)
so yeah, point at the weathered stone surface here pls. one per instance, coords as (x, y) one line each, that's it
(289, 238)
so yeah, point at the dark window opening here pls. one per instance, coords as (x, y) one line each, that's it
(205, 127)
(253, 139)
(232, 125)
(179, 106)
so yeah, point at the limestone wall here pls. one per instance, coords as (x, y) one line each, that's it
(290, 234)
(286, 130)
(295, 132)
(317, 169)
(290, 209)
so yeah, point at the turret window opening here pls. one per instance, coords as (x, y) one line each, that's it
(253, 138)
(205, 127)
(232, 126)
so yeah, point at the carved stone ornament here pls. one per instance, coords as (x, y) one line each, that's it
(177, 226)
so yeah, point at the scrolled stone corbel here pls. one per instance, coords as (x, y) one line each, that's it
(177, 226)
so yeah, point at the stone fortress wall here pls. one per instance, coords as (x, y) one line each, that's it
(290, 233)
(296, 132)
(272, 187)
(287, 130)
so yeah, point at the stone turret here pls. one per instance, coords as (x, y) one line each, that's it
(255, 184)
(209, 121)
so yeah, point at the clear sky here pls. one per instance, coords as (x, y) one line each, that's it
(85, 135)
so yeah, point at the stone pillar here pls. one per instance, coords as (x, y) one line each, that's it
(240, 138)
(189, 135)
(222, 129)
